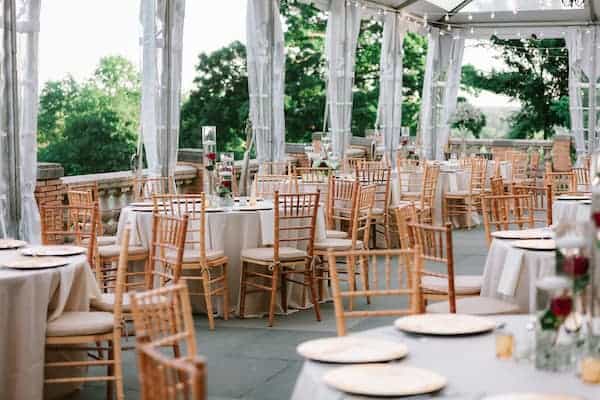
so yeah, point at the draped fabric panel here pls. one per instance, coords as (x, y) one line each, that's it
(28, 28)
(162, 40)
(575, 41)
(452, 50)
(266, 78)
(343, 27)
(390, 94)
(426, 131)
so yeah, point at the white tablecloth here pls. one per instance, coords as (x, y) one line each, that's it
(27, 300)
(230, 231)
(534, 265)
(468, 362)
(567, 211)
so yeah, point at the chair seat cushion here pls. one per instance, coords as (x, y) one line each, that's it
(410, 195)
(113, 250)
(107, 303)
(475, 306)
(266, 254)
(337, 234)
(102, 240)
(337, 244)
(377, 211)
(463, 284)
(81, 323)
(354, 152)
(458, 193)
(193, 255)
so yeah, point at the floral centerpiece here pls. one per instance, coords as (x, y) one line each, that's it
(209, 152)
(225, 188)
(467, 120)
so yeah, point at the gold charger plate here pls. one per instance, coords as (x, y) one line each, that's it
(536, 245)
(351, 350)
(384, 380)
(523, 234)
(9, 244)
(445, 324)
(35, 263)
(53, 251)
(530, 396)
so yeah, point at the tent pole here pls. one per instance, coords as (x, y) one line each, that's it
(271, 77)
(167, 58)
(592, 135)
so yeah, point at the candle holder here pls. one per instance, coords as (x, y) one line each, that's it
(209, 155)
(226, 172)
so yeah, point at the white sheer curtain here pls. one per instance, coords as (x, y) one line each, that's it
(162, 41)
(28, 28)
(343, 27)
(390, 93)
(440, 90)
(452, 51)
(266, 78)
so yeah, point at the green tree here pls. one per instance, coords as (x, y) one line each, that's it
(92, 126)
(537, 75)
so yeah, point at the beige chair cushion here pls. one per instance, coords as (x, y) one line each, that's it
(113, 250)
(376, 211)
(458, 193)
(193, 255)
(266, 254)
(337, 234)
(410, 195)
(475, 306)
(353, 152)
(337, 244)
(81, 323)
(107, 303)
(463, 284)
(102, 240)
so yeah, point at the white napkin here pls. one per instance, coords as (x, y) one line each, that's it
(452, 184)
(511, 271)
(267, 224)
(135, 239)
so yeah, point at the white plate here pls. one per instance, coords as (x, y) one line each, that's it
(572, 197)
(535, 245)
(141, 204)
(35, 263)
(53, 251)
(444, 324)
(530, 396)
(254, 208)
(352, 350)
(524, 234)
(142, 209)
(7, 244)
(214, 209)
(384, 380)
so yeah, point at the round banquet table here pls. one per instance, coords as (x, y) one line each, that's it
(510, 274)
(28, 299)
(229, 230)
(567, 211)
(468, 362)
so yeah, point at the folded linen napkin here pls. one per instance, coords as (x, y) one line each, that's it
(511, 271)
(452, 183)
(267, 224)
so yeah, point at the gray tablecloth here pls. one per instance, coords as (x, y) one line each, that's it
(468, 362)
(568, 211)
(27, 300)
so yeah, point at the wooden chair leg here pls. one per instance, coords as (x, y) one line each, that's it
(118, 368)
(284, 292)
(208, 298)
(110, 385)
(273, 300)
(243, 290)
(320, 276)
(469, 206)
(309, 278)
(365, 277)
(351, 280)
(225, 292)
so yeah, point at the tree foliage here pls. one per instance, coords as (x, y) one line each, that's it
(468, 118)
(537, 75)
(92, 126)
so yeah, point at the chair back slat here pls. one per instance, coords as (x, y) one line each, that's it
(166, 249)
(266, 185)
(146, 187)
(383, 274)
(507, 212)
(380, 177)
(542, 201)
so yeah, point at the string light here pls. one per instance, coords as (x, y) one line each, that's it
(492, 15)
(470, 17)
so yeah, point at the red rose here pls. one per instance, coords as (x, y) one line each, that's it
(226, 184)
(211, 156)
(404, 142)
(576, 265)
(561, 306)
(596, 217)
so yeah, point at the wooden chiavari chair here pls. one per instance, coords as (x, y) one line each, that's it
(380, 280)
(313, 175)
(582, 179)
(341, 197)
(89, 330)
(86, 194)
(380, 177)
(406, 215)
(518, 162)
(507, 212)
(542, 201)
(362, 199)
(350, 164)
(266, 185)
(275, 168)
(465, 203)
(407, 170)
(561, 182)
(210, 264)
(437, 247)
(428, 190)
(370, 164)
(295, 221)
(497, 186)
(166, 249)
(163, 318)
(165, 378)
(146, 187)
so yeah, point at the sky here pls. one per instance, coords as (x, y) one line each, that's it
(96, 28)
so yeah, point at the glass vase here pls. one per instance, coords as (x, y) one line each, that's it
(209, 155)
